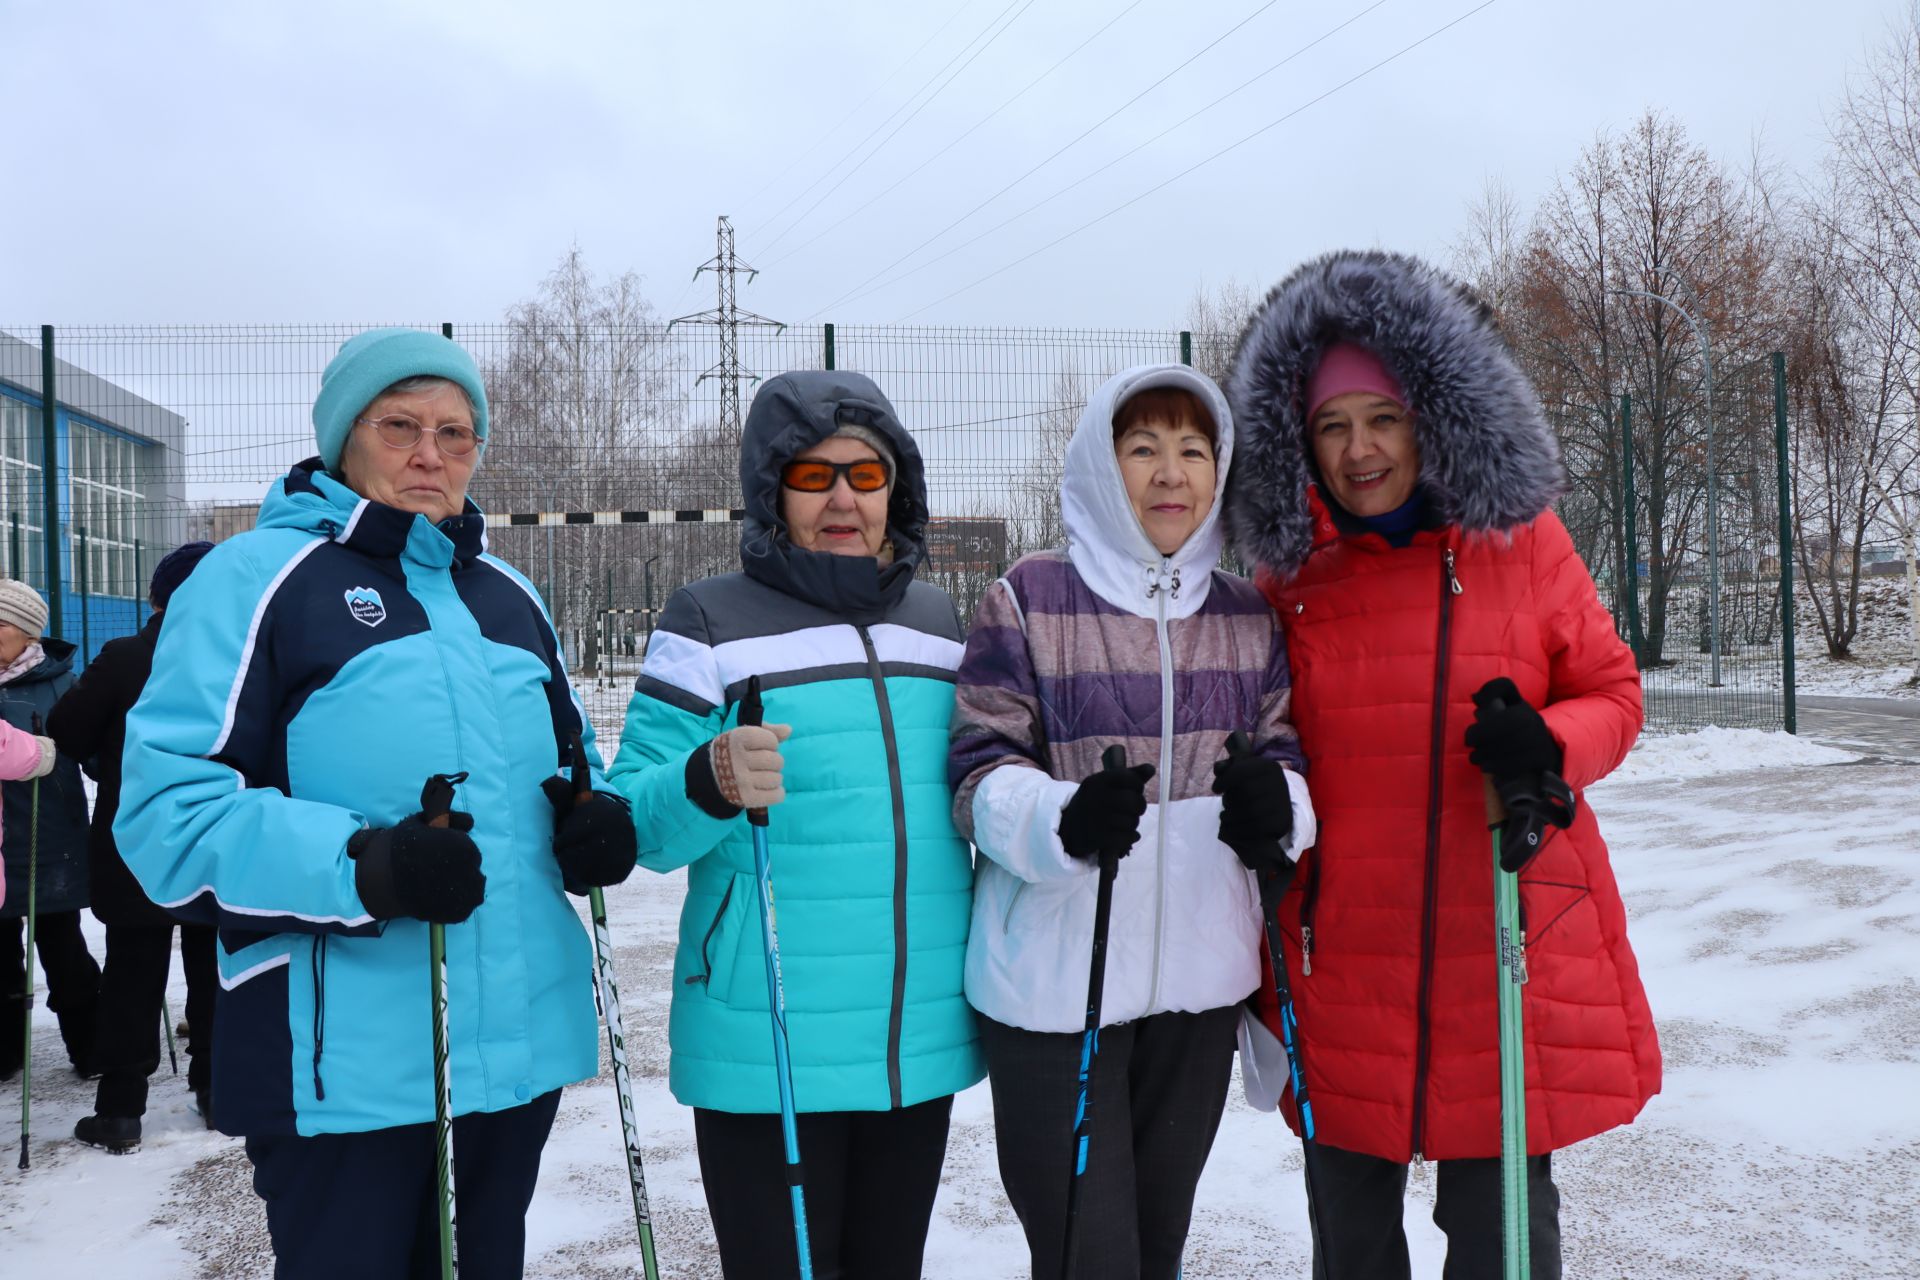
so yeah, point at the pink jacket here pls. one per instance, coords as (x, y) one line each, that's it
(19, 757)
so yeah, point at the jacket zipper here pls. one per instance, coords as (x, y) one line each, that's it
(318, 956)
(897, 1010)
(1309, 898)
(705, 977)
(1160, 590)
(1449, 588)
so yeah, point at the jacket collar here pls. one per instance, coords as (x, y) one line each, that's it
(310, 499)
(1105, 542)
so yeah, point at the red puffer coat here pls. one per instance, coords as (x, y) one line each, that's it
(1389, 926)
(1394, 987)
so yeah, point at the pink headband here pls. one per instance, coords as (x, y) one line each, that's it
(1348, 366)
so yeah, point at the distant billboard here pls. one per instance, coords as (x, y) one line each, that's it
(967, 544)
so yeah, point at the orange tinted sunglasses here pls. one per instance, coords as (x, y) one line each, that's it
(808, 476)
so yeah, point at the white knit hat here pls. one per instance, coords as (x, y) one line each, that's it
(21, 605)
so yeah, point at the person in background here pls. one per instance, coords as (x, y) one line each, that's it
(873, 884)
(313, 675)
(1395, 488)
(1130, 635)
(89, 724)
(35, 670)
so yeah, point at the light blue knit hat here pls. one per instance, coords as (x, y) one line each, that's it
(369, 363)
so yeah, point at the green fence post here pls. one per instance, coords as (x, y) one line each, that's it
(1790, 718)
(14, 568)
(138, 588)
(1186, 347)
(827, 346)
(50, 479)
(1636, 638)
(80, 579)
(446, 330)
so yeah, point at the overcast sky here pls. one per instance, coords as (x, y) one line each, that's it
(335, 160)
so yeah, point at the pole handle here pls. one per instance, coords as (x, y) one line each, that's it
(1115, 758)
(582, 771)
(752, 712)
(436, 798)
(1496, 808)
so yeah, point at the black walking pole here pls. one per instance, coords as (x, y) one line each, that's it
(1273, 887)
(1115, 757)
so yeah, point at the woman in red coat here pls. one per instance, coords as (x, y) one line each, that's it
(1394, 486)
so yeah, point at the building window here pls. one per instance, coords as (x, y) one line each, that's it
(21, 494)
(107, 505)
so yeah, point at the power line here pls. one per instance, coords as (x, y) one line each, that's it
(962, 138)
(1268, 127)
(806, 190)
(903, 124)
(856, 290)
(899, 65)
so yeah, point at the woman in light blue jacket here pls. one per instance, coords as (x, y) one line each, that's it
(312, 675)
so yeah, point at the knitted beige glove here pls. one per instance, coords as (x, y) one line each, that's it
(48, 754)
(747, 764)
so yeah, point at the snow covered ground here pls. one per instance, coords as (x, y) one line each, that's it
(1775, 894)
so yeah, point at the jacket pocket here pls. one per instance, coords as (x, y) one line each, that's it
(1006, 917)
(735, 926)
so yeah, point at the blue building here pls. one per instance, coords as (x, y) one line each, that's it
(120, 470)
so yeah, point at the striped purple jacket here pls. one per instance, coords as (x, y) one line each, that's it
(1053, 675)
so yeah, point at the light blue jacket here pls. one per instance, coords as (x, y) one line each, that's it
(312, 674)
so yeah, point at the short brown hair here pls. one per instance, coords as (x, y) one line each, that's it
(1174, 405)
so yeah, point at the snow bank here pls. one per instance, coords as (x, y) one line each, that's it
(1706, 752)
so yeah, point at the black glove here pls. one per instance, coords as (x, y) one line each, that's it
(1105, 812)
(1510, 743)
(1508, 739)
(593, 840)
(1256, 810)
(428, 873)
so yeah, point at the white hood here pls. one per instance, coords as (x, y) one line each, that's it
(1104, 539)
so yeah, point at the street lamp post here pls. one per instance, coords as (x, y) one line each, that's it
(1713, 481)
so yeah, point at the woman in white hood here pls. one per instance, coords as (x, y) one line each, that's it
(1130, 636)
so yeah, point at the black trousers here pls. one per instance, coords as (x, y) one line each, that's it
(1159, 1087)
(1358, 1217)
(133, 988)
(73, 985)
(366, 1205)
(870, 1176)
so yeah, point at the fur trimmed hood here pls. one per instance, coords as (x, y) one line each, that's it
(1488, 460)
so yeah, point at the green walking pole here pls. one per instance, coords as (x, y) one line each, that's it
(1510, 946)
(436, 802)
(616, 1036)
(33, 906)
(1520, 808)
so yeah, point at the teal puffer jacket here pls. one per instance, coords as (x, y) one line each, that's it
(873, 887)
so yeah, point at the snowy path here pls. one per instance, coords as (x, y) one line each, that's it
(1776, 914)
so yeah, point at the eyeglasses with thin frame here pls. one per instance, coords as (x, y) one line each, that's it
(810, 475)
(402, 431)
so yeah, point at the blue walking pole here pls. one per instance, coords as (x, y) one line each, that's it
(751, 712)
(1115, 757)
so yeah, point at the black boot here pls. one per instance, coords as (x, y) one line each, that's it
(203, 1102)
(117, 1134)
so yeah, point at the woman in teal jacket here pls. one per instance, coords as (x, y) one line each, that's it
(312, 675)
(874, 888)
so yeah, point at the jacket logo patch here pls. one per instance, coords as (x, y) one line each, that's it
(365, 605)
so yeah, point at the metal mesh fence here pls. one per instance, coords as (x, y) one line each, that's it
(1729, 531)
(161, 434)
